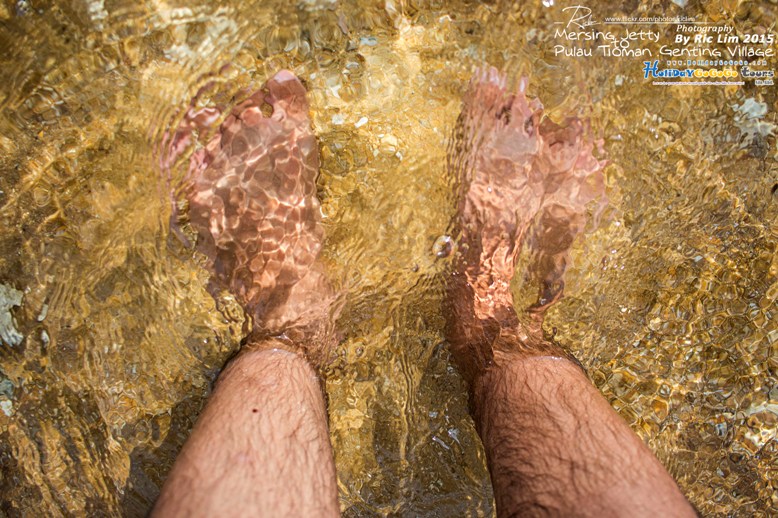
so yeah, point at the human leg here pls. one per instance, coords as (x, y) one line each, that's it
(260, 447)
(555, 447)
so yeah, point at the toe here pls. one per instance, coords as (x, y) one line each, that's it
(287, 96)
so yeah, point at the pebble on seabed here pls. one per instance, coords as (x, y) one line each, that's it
(443, 246)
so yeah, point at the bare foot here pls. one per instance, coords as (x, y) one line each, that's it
(252, 200)
(517, 171)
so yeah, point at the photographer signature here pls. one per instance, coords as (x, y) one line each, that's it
(581, 16)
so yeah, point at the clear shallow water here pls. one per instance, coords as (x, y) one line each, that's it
(670, 297)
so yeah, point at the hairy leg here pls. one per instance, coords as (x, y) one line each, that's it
(555, 446)
(260, 447)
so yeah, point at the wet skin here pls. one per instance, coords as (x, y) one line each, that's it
(524, 181)
(555, 447)
(251, 192)
(261, 445)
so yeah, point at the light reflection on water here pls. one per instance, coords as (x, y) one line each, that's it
(670, 300)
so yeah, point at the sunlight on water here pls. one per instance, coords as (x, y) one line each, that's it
(110, 338)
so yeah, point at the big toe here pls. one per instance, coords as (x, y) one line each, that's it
(287, 95)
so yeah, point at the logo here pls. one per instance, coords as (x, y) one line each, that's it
(651, 69)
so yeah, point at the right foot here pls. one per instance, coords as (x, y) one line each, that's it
(512, 166)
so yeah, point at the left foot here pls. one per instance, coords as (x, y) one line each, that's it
(252, 200)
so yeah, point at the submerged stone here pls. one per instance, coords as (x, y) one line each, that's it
(9, 297)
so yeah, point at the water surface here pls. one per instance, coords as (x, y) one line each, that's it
(111, 339)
